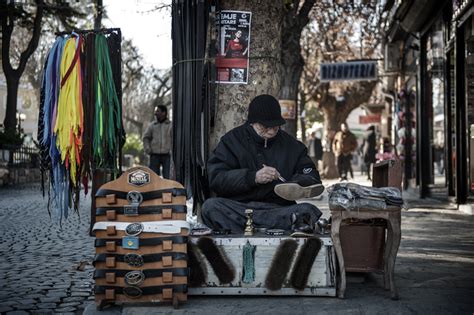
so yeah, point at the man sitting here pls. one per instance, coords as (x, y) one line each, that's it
(249, 169)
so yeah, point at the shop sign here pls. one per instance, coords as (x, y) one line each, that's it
(370, 119)
(349, 71)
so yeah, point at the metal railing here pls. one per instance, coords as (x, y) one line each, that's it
(24, 157)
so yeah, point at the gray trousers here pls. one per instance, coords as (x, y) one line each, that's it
(222, 213)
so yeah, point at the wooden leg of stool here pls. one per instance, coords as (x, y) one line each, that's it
(335, 228)
(388, 248)
(396, 232)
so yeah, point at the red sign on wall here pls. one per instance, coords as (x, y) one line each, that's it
(370, 119)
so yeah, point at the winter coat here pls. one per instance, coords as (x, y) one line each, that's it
(242, 152)
(315, 149)
(157, 138)
(344, 143)
(369, 147)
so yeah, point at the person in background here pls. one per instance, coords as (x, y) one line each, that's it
(369, 149)
(385, 150)
(438, 149)
(344, 143)
(157, 141)
(315, 149)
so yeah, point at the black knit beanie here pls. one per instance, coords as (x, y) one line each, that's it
(266, 110)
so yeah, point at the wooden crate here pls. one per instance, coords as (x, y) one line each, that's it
(321, 281)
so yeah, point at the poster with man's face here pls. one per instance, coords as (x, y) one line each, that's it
(233, 37)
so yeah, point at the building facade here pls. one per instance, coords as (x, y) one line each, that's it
(429, 65)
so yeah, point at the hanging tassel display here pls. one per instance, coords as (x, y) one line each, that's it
(80, 110)
(248, 259)
(108, 116)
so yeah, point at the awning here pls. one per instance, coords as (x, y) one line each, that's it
(411, 16)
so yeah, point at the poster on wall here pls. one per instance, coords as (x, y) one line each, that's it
(233, 38)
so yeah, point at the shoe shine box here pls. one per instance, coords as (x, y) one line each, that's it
(263, 265)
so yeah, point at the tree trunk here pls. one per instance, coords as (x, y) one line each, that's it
(12, 96)
(232, 100)
(13, 75)
(98, 16)
(336, 111)
(292, 63)
(302, 118)
(333, 120)
(292, 67)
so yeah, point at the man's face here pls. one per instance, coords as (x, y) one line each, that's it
(159, 114)
(343, 127)
(265, 132)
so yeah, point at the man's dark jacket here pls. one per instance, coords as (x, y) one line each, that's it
(242, 152)
(369, 149)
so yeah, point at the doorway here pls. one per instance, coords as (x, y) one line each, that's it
(435, 84)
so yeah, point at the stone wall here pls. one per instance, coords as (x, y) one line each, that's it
(15, 176)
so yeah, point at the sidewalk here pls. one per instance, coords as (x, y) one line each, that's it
(434, 274)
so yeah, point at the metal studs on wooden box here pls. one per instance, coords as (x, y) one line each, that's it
(141, 240)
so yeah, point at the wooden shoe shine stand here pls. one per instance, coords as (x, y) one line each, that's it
(385, 174)
(117, 252)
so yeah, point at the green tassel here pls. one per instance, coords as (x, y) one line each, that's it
(248, 263)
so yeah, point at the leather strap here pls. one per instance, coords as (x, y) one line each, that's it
(150, 273)
(100, 242)
(164, 226)
(180, 288)
(144, 210)
(146, 258)
(148, 195)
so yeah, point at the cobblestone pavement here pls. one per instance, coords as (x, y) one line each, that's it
(44, 268)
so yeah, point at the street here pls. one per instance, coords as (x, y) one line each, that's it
(41, 263)
(43, 268)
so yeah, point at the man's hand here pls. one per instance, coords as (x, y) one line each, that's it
(266, 175)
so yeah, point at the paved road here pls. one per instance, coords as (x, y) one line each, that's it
(39, 260)
(39, 268)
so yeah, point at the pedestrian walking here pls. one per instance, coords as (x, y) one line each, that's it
(157, 141)
(315, 149)
(369, 149)
(344, 143)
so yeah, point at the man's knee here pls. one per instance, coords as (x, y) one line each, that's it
(209, 207)
(309, 208)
